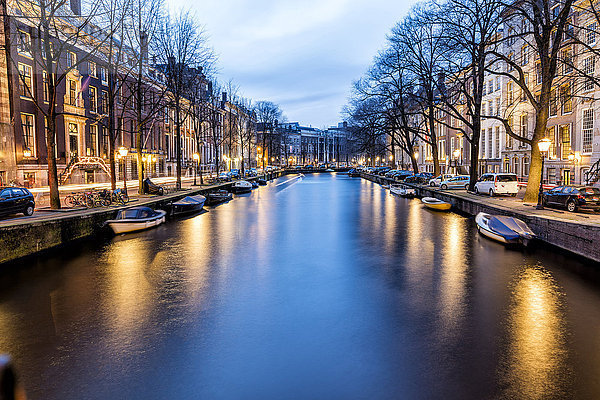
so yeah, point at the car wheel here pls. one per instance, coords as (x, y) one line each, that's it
(491, 192)
(571, 206)
(28, 211)
(161, 191)
(476, 190)
(467, 187)
(444, 187)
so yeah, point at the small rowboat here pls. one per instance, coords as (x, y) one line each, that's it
(241, 187)
(435, 204)
(403, 191)
(503, 229)
(188, 205)
(136, 219)
(218, 196)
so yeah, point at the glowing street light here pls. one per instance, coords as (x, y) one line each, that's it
(544, 146)
(123, 153)
(27, 152)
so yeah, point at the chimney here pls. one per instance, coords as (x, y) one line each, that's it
(76, 7)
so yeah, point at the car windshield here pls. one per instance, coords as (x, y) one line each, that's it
(507, 178)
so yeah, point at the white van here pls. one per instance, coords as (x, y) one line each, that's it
(493, 184)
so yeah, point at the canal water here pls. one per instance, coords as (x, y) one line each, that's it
(321, 287)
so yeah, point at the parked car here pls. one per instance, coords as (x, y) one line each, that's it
(572, 197)
(309, 166)
(16, 200)
(420, 178)
(456, 182)
(235, 173)
(494, 183)
(224, 177)
(401, 176)
(438, 179)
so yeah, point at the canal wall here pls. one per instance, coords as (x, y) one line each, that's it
(578, 237)
(24, 237)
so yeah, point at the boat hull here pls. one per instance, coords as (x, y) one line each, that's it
(435, 204)
(133, 225)
(510, 238)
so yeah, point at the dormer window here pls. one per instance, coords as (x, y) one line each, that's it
(71, 59)
(24, 44)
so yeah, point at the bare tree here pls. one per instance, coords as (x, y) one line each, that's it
(183, 47)
(56, 31)
(267, 116)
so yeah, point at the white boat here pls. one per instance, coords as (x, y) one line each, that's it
(329, 170)
(188, 204)
(136, 219)
(241, 187)
(504, 229)
(402, 190)
(435, 204)
(385, 186)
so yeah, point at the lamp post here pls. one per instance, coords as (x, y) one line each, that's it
(575, 158)
(456, 154)
(123, 153)
(196, 157)
(27, 152)
(544, 146)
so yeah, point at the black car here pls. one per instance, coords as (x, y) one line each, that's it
(16, 200)
(572, 197)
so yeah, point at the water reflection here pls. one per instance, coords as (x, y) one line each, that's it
(535, 365)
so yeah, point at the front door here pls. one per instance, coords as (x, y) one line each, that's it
(566, 177)
(73, 139)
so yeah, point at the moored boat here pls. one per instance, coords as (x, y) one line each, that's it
(504, 229)
(136, 219)
(188, 205)
(261, 181)
(353, 173)
(435, 204)
(218, 196)
(241, 187)
(402, 190)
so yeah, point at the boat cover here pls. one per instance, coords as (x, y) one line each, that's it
(191, 200)
(508, 227)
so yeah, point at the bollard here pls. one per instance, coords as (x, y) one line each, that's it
(9, 385)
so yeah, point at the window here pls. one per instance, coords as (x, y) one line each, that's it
(524, 126)
(103, 76)
(28, 125)
(497, 83)
(509, 139)
(588, 71)
(93, 99)
(565, 141)
(71, 59)
(538, 73)
(509, 93)
(45, 84)
(104, 136)
(25, 80)
(567, 61)
(482, 150)
(490, 86)
(24, 44)
(72, 92)
(566, 98)
(511, 60)
(104, 102)
(92, 68)
(525, 54)
(523, 91)
(91, 149)
(552, 136)
(587, 129)
(497, 142)
(43, 48)
(491, 143)
(590, 34)
(552, 106)
(73, 139)
(497, 113)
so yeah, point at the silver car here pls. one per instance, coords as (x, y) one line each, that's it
(456, 182)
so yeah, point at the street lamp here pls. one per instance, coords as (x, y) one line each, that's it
(456, 154)
(575, 158)
(123, 153)
(27, 152)
(196, 157)
(544, 146)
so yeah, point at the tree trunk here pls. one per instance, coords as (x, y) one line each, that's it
(52, 171)
(178, 143)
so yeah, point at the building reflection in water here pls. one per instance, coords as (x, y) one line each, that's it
(535, 365)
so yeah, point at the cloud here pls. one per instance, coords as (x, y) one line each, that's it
(302, 54)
